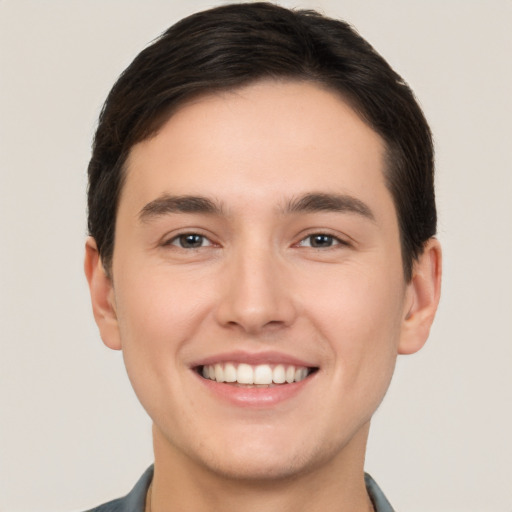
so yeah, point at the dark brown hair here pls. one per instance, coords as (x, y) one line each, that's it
(233, 45)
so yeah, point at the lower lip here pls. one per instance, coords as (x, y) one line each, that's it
(244, 396)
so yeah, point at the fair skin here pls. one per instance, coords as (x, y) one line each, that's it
(255, 229)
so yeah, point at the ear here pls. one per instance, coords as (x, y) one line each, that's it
(102, 296)
(423, 293)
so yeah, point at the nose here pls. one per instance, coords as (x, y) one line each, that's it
(256, 293)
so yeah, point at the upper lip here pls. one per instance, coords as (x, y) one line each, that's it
(253, 358)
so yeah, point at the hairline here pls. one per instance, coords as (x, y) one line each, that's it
(161, 118)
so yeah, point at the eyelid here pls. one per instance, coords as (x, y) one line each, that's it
(339, 240)
(171, 238)
(176, 241)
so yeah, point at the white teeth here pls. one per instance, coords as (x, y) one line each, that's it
(279, 374)
(290, 374)
(245, 374)
(219, 373)
(261, 374)
(229, 373)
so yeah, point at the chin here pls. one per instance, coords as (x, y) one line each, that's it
(258, 467)
(263, 459)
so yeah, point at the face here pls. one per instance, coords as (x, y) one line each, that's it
(257, 291)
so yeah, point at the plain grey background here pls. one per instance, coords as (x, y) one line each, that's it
(71, 431)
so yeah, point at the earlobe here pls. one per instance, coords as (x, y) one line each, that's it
(102, 296)
(424, 292)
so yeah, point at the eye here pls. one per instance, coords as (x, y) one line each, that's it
(320, 241)
(190, 241)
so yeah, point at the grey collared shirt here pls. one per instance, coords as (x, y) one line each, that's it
(134, 501)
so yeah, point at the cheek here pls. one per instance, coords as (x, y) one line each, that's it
(157, 315)
(360, 317)
(157, 306)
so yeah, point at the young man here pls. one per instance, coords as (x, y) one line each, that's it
(261, 212)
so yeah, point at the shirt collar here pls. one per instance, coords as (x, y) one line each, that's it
(134, 501)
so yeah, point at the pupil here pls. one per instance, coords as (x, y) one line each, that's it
(191, 240)
(321, 240)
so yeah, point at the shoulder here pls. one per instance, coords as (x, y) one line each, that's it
(112, 506)
(380, 502)
(134, 501)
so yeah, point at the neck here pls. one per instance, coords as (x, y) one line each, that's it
(333, 485)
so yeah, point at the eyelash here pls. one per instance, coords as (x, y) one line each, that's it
(180, 241)
(334, 241)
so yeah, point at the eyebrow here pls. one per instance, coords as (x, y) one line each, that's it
(308, 203)
(166, 204)
(322, 202)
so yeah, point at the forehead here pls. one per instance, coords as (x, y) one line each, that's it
(272, 137)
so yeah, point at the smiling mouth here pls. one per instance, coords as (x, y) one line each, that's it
(262, 375)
